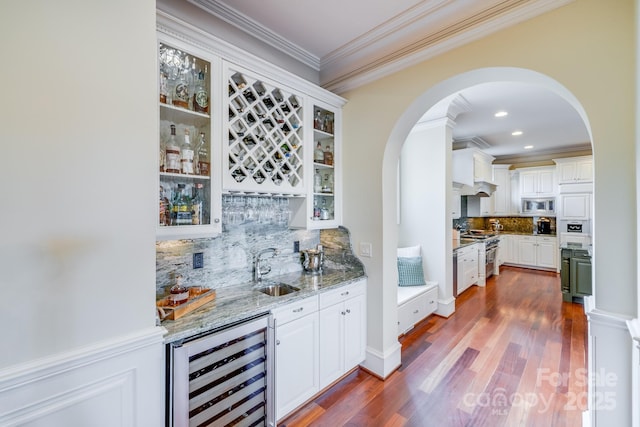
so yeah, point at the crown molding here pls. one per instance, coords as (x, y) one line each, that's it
(437, 43)
(255, 29)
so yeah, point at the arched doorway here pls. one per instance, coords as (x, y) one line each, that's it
(397, 137)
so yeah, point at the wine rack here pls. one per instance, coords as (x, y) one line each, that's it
(264, 149)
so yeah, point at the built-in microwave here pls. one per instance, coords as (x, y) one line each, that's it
(546, 206)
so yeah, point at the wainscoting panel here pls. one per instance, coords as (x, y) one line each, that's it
(119, 383)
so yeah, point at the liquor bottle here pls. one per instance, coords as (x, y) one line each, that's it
(317, 121)
(316, 210)
(172, 158)
(165, 209)
(318, 154)
(181, 91)
(196, 205)
(204, 164)
(200, 94)
(164, 87)
(328, 156)
(183, 216)
(186, 154)
(317, 182)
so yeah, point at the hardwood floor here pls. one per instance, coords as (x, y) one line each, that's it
(513, 354)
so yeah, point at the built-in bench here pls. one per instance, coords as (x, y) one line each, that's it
(415, 303)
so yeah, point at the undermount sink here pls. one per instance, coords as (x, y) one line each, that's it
(278, 289)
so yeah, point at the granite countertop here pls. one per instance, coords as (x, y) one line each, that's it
(235, 303)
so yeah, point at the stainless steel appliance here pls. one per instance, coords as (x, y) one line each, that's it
(490, 240)
(545, 206)
(313, 260)
(223, 378)
(490, 250)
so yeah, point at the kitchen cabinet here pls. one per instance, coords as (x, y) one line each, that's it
(297, 354)
(574, 170)
(537, 182)
(581, 275)
(456, 203)
(575, 206)
(575, 273)
(502, 195)
(470, 165)
(480, 206)
(189, 188)
(467, 266)
(417, 308)
(342, 331)
(537, 251)
(322, 205)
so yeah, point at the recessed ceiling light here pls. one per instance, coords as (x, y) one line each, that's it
(516, 133)
(501, 114)
(528, 147)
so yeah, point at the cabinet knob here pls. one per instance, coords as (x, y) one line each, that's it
(298, 310)
(216, 220)
(344, 294)
(348, 311)
(416, 312)
(277, 342)
(343, 313)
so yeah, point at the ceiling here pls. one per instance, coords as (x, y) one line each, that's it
(350, 43)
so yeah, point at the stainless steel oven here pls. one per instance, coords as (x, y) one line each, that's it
(224, 378)
(490, 250)
(539, 206)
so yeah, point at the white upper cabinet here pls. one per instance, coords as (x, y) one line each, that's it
(502, 195)
(575, 206)
(537, 182)
(253, 129)
(574, 170)
(470, 165)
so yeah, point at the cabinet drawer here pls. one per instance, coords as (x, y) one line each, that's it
(342, 293)
(295, 310)
(431, 298)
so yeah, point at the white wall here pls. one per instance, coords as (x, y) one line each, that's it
(425, 214)
(586, 48)
(79, 131)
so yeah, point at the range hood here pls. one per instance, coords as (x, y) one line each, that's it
(479, 188)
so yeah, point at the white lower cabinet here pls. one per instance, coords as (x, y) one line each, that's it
(537, 251)
(297, 354)
(467, 267)
(318, 339)
(417, 308)
(342, 331)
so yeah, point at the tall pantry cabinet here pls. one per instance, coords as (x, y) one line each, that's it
(232, 123)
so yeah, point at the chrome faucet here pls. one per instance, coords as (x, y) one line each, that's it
(259, 269)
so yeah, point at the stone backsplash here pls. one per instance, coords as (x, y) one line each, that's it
(511, 224)
(228, 258)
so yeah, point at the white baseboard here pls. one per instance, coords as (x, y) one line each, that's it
(119, 382)
(446, 307)
(383, 365)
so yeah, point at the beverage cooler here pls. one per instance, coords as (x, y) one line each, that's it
(223, 378)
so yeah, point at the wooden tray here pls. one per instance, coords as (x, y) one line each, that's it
(197, 298)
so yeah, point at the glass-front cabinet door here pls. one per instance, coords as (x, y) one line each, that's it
(189, 204)
(323, 205)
